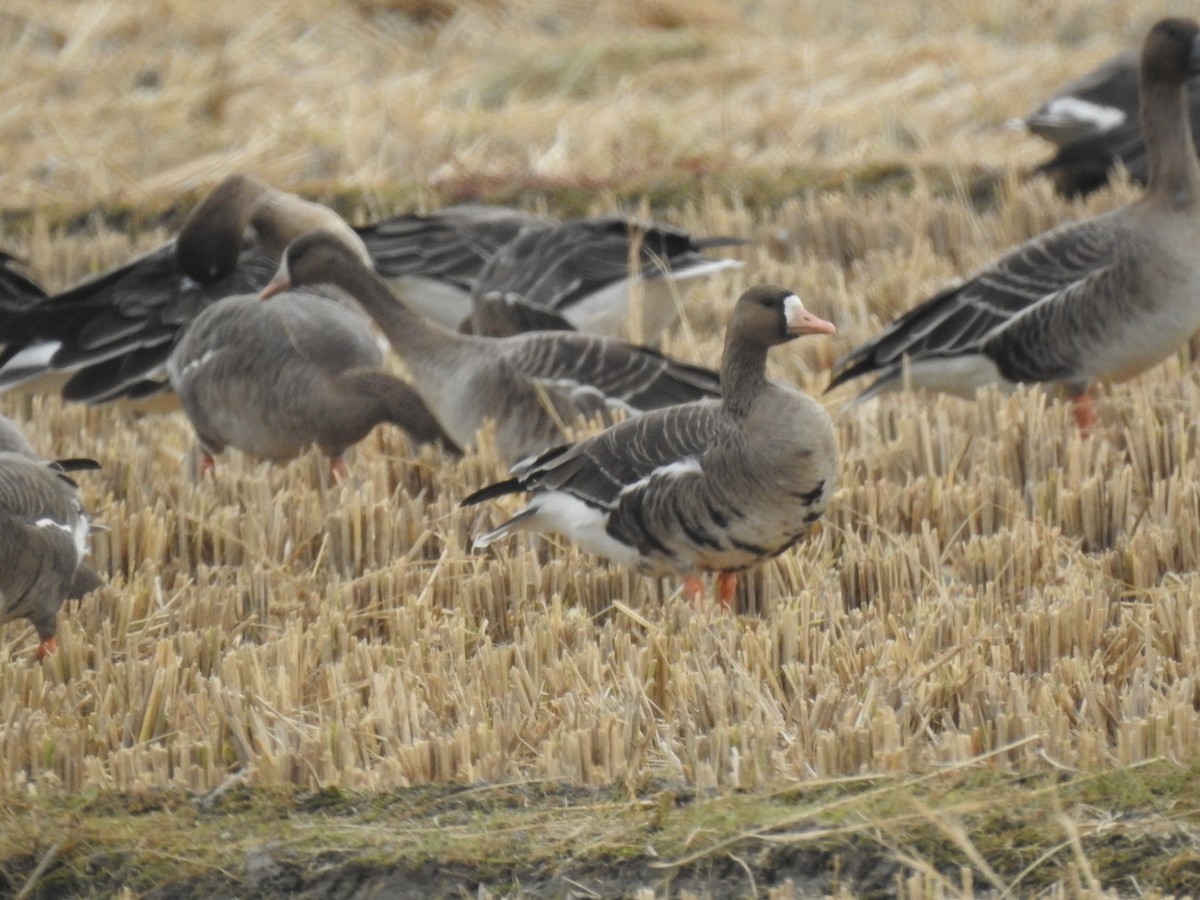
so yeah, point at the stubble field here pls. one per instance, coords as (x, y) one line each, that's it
(979, 677)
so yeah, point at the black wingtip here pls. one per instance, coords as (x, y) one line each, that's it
(77, 464)
(499, 489)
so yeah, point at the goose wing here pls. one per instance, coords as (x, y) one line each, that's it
(959, 320)
(116, 331)
(558, 264)
(452, 244)
(619, 459)
(598, 373)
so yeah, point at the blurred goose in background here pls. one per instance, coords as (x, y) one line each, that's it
(109, 337)
(712, 485)
(530, 384)
(272, 378)
(43, 537)
(1105, 298)
(1096, 124)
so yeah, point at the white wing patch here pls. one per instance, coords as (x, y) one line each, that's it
(680, 468)
(1067, 110)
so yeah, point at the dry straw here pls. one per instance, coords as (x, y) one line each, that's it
(987, 582)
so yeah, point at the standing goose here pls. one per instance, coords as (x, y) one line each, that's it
(1096, 124)
(1106, 298)
(712, 485)
(43, 537)
(531, 384)
(109, 337)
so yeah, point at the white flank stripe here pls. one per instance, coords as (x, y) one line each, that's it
(678, 469)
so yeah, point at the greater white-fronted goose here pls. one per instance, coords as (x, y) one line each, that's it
(588, 271)
(712, 485)
(530, 384)
(1096, 124)
(43, 538)
(273, 378)
(1106, 298)
(109, 337)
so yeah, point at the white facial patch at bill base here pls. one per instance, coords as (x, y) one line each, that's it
(793, 310)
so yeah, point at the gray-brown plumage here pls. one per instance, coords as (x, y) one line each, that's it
(1101, 299)
(530, 384)
(580, 273)
(43, 536)
(585, 272)
(713, 485)
(109, 337)
(12, 440)
(273, 378)
(435, 260)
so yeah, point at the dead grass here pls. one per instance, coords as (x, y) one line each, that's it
(992, 592)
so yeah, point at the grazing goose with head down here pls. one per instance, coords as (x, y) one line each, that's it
(43, 537)
(530, 384)
(1106, 298)
(109, 337)
(272, 378)
(1096, 124)
(712, 485)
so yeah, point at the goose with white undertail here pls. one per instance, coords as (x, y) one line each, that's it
(1098, 300)
(715, 485)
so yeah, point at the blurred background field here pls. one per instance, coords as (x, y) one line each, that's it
(981, 674)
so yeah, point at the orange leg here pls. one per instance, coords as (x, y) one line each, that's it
(46, 647)
(693, 589)
(208, 465)
(338, 470)
(1085, 414)
(726, 589)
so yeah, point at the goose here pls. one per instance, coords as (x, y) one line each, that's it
(1095, 123)
(272, 378)
(712, 485)
(530, 384)
(43, 536)
(1105, 298)
(1104, 98)
(109, 337)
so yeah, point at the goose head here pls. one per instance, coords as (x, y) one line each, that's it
(212, 236)
(768, 314)
(1171, 52)
(314, 258)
